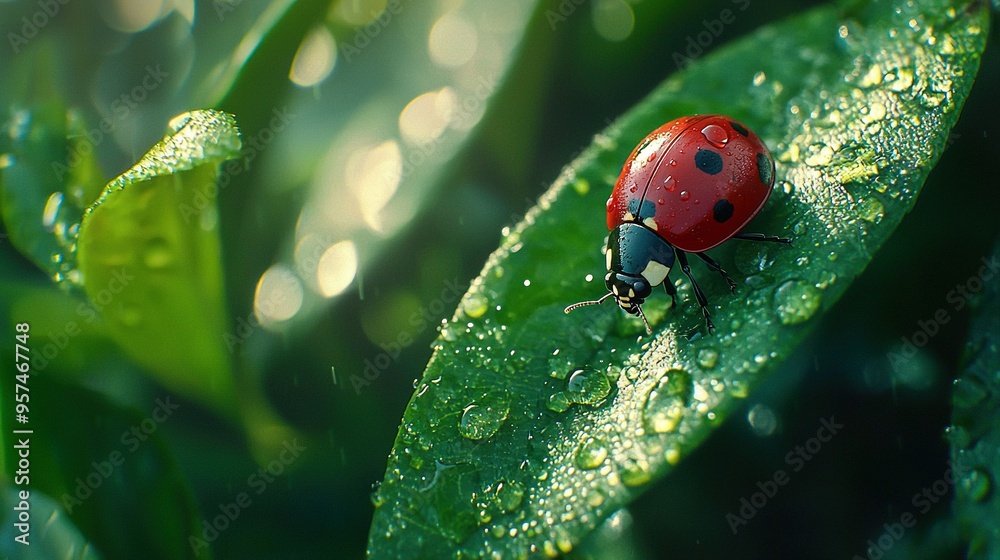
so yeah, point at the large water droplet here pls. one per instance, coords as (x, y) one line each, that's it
(51, 212)
(871, 210)
(475, 305)
(669, 183)
(708, 357)
(480, 422)
(796, 301)
(976, 484)
(665, 404)
(716, 135)
(558, 402)
(762, 420)
(968, 392)
(591, 454)
(636, 472)
(587, 387)
(509, 495)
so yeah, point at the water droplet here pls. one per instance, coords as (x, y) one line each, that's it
(480, 422)
(636, 472)
(587, 387)
(509, 495)
(651, 157)
(968, 392)
(716, 135)
(871, 210)
(475, 305)
(685, 195)
(796, 301)
(799, 228)
(558, 402)
(977, 485)
(595, 498)
(51, 212)
(708, 357)
(157, 253)
(762, 420)
(665, 404)
(669, 183)
(591, 454)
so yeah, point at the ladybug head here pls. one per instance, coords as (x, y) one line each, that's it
(629, 292)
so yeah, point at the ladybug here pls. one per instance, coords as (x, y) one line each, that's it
(687, 187)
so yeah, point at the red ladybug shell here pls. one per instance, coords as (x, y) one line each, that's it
(696, 181)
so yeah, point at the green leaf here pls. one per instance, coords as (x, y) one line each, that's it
(529, 426)
(975, 430)
(57, 538)
(48, 176)
(109, 471)
(150, 258)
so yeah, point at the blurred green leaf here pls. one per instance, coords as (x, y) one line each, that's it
(57, 537)
(109, 471)
(150, 258)
(48, 175)
(530, 427)
(975, 430)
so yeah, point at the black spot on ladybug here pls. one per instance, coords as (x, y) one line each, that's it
(722, 211)
(764, 169)
(739, 128)
(708, 161)
(641, 209)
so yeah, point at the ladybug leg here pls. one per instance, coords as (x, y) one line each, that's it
(714, 265)
(698, 294)
(668, 285)
(762, 237)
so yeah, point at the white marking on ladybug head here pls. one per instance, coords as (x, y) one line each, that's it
(655, 272)
(631, 293)
(628, 217)
(650, 223)
(614, 288)
(608, 256)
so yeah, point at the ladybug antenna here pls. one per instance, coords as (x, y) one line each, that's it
(644, 321)
(586, 303)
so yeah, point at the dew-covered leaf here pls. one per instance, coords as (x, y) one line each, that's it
(529, 427)
(150, 259)
(975, 430)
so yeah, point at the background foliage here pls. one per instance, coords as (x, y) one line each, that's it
(567, 79)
